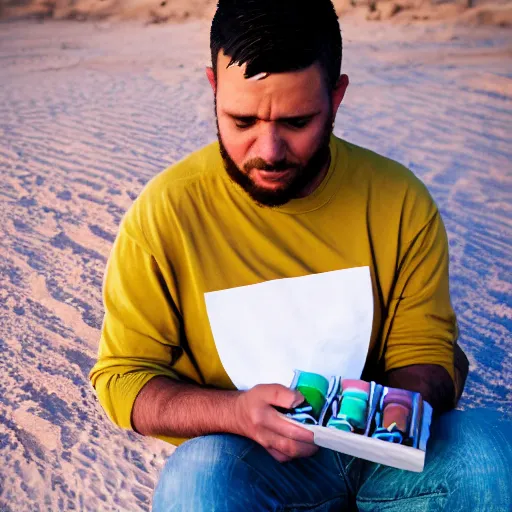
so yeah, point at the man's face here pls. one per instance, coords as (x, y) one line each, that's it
(274, 132)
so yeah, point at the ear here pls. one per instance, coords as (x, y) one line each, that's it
(339, 93)
(211, 78)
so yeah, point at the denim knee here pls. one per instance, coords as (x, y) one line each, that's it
(467, 468)
(205, 474)
(481, 466)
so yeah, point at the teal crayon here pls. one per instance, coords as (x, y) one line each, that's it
(354, 406)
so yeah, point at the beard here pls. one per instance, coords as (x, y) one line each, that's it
(303, 176)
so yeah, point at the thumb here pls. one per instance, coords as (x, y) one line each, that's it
(284, 397)
(299, 398)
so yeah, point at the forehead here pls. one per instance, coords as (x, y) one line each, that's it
(278, 95)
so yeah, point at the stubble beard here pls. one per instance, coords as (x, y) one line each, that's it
(300, 180)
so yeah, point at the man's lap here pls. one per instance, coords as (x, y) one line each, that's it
(466, 468)
(467, 462)
(241, 475)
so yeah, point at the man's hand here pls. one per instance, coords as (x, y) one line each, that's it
(176, 409)
(257, 419)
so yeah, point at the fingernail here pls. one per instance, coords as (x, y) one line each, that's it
(298, 400)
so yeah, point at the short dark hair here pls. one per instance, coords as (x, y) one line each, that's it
(277, 36)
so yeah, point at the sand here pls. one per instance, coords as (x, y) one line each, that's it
(471, 12)
(89, 112)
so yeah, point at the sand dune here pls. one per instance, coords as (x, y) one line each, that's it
(145, 10)
(482, 12)
(89, 112)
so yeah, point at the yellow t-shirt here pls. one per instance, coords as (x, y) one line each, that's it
(206, 286)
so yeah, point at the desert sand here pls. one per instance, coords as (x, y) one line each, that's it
(469, 12)
(89, 112)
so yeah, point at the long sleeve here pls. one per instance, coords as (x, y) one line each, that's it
(421, 323)
(140, 336)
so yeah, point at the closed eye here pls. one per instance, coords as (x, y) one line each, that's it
(297, 122)
(244, 122)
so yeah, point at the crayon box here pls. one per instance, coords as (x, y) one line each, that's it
(381, 424)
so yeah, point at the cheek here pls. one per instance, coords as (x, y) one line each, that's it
(302, 145)
(236, 143)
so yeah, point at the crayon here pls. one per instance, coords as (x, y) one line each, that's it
(314, 388)
(397, 408)
(354, 405)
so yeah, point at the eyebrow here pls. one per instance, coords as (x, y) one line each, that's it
(244, 117)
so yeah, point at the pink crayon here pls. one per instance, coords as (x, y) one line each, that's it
(397, 405)
(361, 385)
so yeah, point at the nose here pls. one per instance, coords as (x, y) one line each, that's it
(270, 146)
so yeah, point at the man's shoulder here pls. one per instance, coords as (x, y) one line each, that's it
(369, 165)
(390, 189)
(200, 169)
(385, 178)
(170, 191)
(199, 166)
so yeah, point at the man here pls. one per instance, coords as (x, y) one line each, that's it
(283, 247)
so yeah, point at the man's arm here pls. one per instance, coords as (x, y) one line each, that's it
(421, 328)
(175, 409)
(432, 381)
(138, 387)
(170, 408)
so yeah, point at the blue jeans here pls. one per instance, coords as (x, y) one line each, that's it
(467, 469)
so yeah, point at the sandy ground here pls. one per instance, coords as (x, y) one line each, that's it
(89, 112)
(468, 12)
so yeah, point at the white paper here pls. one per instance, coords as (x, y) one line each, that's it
(319, 323)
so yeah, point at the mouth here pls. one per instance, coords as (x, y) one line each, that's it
(266, 178)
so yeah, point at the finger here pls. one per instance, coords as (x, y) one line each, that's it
(288, 447)
(281, 396)
(278, 424)
(308, 449)
(280, 457)
(293, 449)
